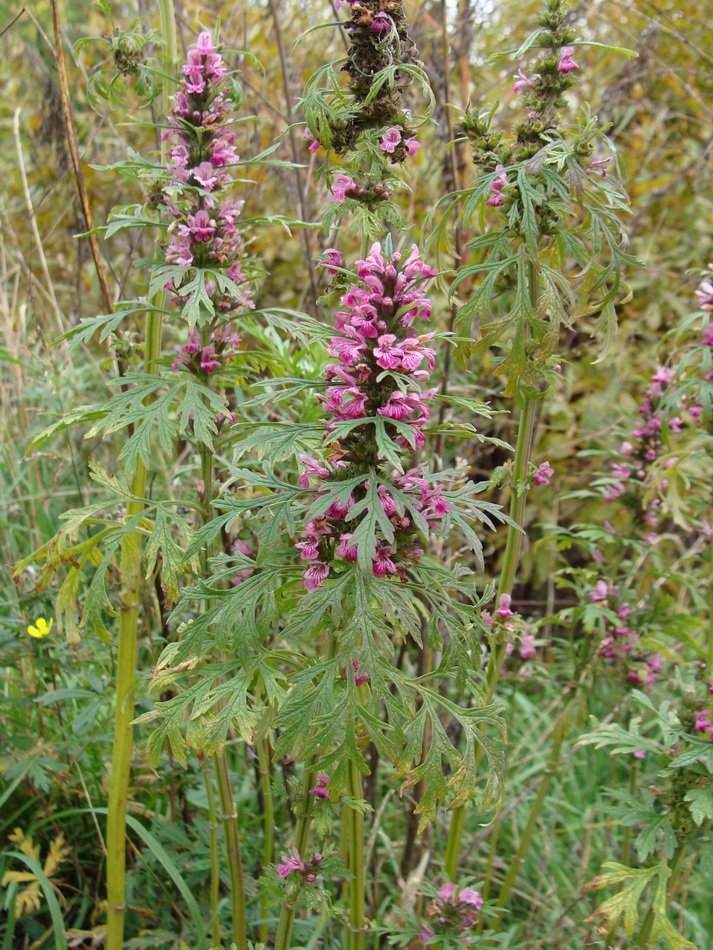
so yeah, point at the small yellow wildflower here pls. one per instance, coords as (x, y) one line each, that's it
(41, 628)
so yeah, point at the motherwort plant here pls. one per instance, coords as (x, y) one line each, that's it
(551, 253)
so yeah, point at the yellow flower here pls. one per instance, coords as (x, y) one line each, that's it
(41, 628)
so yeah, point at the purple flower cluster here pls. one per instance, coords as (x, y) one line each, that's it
(622, 642)
(343, 187)
(503, 612)
(293, 862)
(381, 364)
(640, 453)
(203, 230)
(452, 912)
(704, 723)
(196, 358)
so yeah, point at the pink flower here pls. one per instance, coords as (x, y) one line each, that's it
(314, 469)
(314, 144)
(381, 23)
(332, 260)
(543, 474)
(383, 563)
(521, 80)
(387, 355)
(341, 184)
(315, 575)
(600, 592)
(346, 550)
(447, 891)
(496, 186)
(471, 897)
(359, 678)
(320, 790)
(503, 610)
(412, 147)
(426, 934)
(291, 862)
(703, 723)
(389, 140)
(705, 295)
(527, 646)
(209, 363)
(566, 63)
(205, 175)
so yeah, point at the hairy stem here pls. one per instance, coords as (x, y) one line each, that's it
(268, 824)
(304, 823)
(214, 856)
(130, 574)
(357, 908)
(229, 817)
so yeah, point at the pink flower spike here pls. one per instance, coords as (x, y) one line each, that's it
(566, 63)
(389, 140)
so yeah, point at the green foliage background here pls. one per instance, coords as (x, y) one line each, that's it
(57, 728)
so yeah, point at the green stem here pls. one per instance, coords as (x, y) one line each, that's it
(130, 574)
(268, 824)
(511, 558)
(544, 788)
(304, 823)
(644, 938)
(356, 936)
(229, 813)
(625, 847)
(214, 857)
(229, 817)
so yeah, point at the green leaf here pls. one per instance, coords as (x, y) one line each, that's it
(701, 806)
(162, 540)
(626, 901)
(49, 895)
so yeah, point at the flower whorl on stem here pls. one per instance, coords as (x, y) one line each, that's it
(203, 229)
(382, 363)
